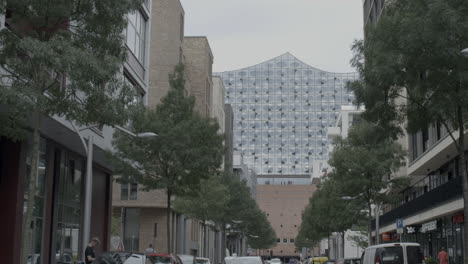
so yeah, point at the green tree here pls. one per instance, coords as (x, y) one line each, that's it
(413, 55)
(325, 214)
(60, 58)
(363, 165)
(188, 147)
(207, 204)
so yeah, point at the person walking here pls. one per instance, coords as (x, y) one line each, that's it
(150, 250)
(90, 254)
(443, 256)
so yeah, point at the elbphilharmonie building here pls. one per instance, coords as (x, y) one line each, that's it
(282, 109)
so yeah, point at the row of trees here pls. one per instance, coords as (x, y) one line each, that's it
(184, 161)
(44, 43)
(64, 59)
(362, 164)
(412, 76)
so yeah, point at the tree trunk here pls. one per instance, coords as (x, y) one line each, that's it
(223, 243)
(28, 222)
(369, 225)
(463, 174)
(343, 244)
(168, 219)
(205, 241)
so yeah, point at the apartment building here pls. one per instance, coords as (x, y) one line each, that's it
(58, 218)
(143, 214)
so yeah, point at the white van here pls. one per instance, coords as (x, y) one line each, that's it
(393, 253)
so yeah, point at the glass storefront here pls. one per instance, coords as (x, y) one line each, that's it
(445, 232)
(67, 203)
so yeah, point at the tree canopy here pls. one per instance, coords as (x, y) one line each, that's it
(187, 149)
(413, 73)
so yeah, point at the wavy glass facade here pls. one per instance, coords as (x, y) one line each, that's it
(282, 108)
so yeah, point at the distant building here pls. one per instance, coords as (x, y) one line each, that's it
(241, 170)
(282, 108)
(284, 198)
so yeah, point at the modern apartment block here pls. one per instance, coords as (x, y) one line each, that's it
(284, 198)
(282, 108)
(143, 214)
(57, 225)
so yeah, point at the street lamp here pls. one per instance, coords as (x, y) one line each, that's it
(89, 174)
(465, 52)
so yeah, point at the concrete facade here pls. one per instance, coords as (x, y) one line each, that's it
(167, 31)
(199, 62)
(284, 205)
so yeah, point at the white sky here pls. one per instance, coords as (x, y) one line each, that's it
(246, 32)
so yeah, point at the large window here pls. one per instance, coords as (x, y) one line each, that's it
(136, 35)
(68, 204)
(34, 244)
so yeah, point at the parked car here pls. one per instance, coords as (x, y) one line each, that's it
(318, 260)
(349, 261)
(393, 253)
(243, 260)
(122, 258)
(330, 261)
(275, 261)
(164, 259)
(187, 259)
(202, 261)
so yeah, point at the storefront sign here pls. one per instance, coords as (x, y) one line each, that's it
(410, 229)
(458, 219)
(429, 226)
(387, 236)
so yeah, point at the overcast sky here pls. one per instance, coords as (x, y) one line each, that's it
(246, 32)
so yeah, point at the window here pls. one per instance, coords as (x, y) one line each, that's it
(182, 27)
(155, 231)
(136, 35)
(285, 240)
(133, 190)
(278, 240)
(124, 191)
(391, 255)
(139, 93)
(291, 240)
(425, 138)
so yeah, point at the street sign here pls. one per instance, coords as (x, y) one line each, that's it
(399, 223)
(400, 231)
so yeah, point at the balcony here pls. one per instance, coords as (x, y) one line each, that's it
(444, 193)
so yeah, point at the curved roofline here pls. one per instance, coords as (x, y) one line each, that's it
(283, 55)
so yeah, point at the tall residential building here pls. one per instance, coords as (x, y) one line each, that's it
(199, 68)
(58, 217)
(284, 198)
(166, 52)
(282, 108)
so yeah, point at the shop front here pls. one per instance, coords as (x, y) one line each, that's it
(445, 232)
(47, 226)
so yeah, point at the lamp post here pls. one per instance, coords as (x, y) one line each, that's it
(465, 52)
(89, 175)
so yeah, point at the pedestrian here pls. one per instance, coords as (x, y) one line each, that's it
(443, 256)
(90, 254)
(150, 249)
